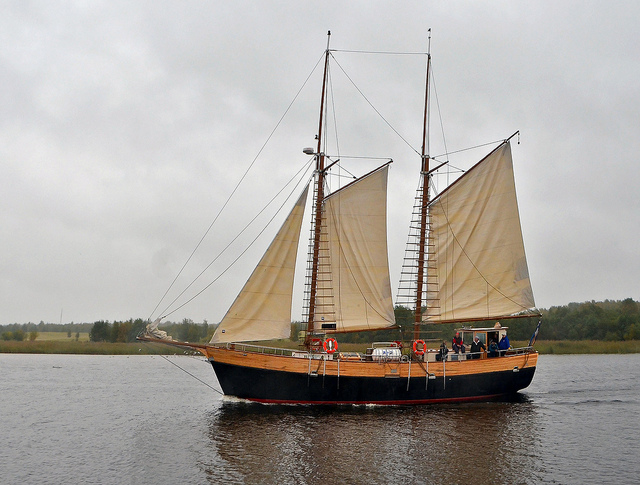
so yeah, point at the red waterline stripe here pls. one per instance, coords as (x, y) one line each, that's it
(385, 403)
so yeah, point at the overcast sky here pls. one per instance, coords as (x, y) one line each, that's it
(125, 126)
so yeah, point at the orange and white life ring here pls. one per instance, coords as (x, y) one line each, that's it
(422, 348)
(315, 343)
(330, 345)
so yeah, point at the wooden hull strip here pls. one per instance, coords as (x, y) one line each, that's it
(290, 380)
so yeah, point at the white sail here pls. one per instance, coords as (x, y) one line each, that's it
(478, 258)
(262, 310)
(354, 292)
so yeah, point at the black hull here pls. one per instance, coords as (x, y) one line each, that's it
(269, 386)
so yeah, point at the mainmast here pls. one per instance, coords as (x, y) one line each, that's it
(424, 202)
(320, 172)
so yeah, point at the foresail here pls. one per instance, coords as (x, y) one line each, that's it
(478, 259)
(357, 289)
(262, 310)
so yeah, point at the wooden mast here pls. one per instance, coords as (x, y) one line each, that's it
(424, 199)
(320, 171)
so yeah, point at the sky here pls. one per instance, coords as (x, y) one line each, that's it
(126, 126)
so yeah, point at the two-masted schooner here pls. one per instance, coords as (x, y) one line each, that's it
(468, 265)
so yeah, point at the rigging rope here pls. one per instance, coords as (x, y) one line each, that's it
(435, 92)
(469, 148)
(303, 169)
(335, 120)
(237, 185)
(237, 258)
(374, 108)
(391, 53)
(444, 141)
(196, 378)
(437, 157)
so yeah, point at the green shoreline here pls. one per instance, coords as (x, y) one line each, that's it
(87, 348)
(544, 347)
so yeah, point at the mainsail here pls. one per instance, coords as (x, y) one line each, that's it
(478, 255)
(262, 310)
(355, 286)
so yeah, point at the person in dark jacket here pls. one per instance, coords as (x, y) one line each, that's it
(476, 348)
(456, 344)
(493, 349)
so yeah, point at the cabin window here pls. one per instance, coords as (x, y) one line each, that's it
(482, 337)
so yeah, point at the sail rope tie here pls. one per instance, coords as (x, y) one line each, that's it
(196, 378)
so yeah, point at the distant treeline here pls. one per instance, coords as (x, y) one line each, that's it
(47, 327)
(30, 331)
(105, 331)
(606, 321)
(187, 330)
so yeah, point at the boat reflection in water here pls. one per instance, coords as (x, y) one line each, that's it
(494, 442)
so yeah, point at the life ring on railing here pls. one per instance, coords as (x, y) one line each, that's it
(415, 347)
(330, 345)
(398, 344)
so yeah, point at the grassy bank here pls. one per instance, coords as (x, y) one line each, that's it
(62, 336)
(96, 348)
(584, 346)
(68, 346)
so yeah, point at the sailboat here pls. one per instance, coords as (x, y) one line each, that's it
(467, 264)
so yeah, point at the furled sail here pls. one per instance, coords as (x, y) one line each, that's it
(355, 287)
(152, 330)
(262, 310)
(478, 258)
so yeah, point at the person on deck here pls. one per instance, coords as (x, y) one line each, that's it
(493, 349)
(442, 355)
(476, 348)
(456, 344)
(504, 344)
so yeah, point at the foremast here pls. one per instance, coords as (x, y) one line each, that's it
(349, 287)
(319, 198)
(424, 204)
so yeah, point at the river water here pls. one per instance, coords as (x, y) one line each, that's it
(67, 419)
